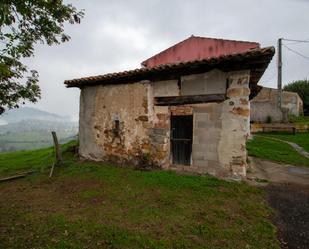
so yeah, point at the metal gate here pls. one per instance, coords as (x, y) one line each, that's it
(181, 139)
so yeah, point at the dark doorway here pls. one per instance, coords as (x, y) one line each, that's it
(181, 139)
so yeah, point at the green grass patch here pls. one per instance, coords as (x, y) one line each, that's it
(299, 119)
(13, 162)
(93, 205)
(274, 150)
(302, 139)
(89, 194)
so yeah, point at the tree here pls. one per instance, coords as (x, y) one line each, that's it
(302, 88)
(24, 23)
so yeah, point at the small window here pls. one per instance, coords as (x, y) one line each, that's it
(116, 129)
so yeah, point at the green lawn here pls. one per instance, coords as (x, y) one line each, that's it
(302, 139)
(92, 205)
(20, 161)
(299, 120)
(274, 150)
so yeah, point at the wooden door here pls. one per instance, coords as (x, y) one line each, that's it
(181, 139)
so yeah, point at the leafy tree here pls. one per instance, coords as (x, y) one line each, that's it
(302, 88)
(23, 23)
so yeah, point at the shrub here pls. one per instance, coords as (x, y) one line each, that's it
(302, 88)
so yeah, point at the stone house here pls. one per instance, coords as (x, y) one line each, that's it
(191, 115)
(264, 106)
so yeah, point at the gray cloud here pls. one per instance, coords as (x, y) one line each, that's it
(118, 35)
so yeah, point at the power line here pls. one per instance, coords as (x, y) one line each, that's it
(293, 43)
(296, 52)
(293, 40)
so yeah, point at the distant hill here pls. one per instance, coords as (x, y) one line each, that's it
(29, 128)
(30, 125)
(29, 113)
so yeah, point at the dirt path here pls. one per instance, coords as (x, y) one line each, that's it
(298, 148)
(287, 189)
(291, 205)
(277, 173)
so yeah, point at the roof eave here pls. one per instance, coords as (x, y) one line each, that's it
(256, 60)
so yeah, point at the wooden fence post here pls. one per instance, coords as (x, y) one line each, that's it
(57, 149)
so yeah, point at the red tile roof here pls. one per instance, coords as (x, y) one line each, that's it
(255, 60)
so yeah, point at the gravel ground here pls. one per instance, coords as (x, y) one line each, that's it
(291, 205)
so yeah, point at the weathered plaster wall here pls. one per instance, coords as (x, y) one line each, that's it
(264, 105)
(128, 104)
(88, 147)
(142, 134)
(213, 82)
(166, 88)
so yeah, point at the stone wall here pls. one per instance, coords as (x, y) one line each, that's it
(264, 106)
(288, 127)
(235, 130)
(207, 127)
(121, 123)
(220, 131)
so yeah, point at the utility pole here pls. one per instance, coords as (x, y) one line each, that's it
(279, 64)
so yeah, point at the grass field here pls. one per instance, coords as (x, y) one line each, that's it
(267, 148)
(302, 139)
(299, 120)
(39, 160)
(92, 205)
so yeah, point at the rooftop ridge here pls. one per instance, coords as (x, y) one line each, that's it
(196, 37)
(223, 39)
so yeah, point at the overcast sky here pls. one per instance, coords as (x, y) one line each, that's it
(118, 35)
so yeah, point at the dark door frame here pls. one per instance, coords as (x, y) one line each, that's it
(181, 139)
